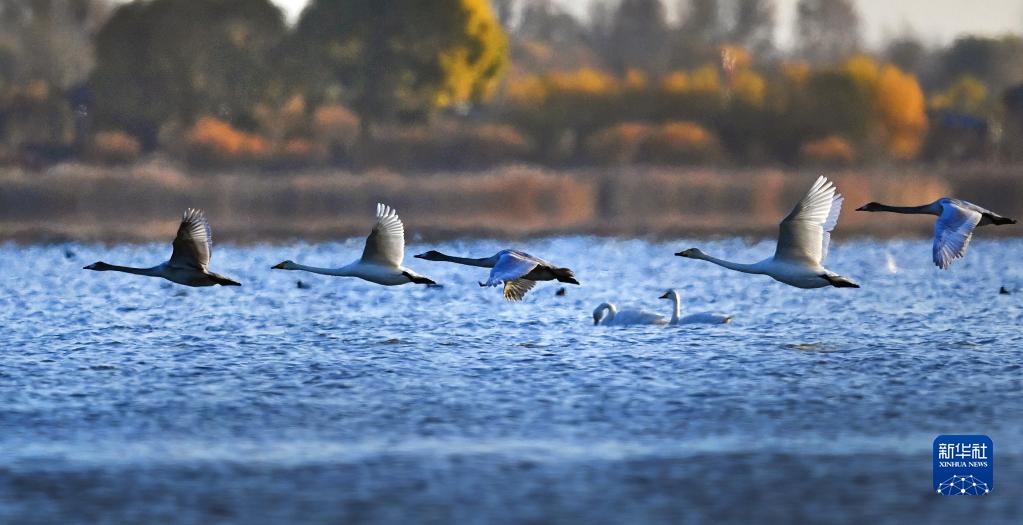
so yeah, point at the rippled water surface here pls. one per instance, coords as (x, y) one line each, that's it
(130, 399)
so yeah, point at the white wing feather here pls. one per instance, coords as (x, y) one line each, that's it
(805, 234)
(508, 268)
(386, 243)
(952, 233)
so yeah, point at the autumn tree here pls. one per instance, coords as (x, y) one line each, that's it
(401, 56)
(827, 30)
(174, 60)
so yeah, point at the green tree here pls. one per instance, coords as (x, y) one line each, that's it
(405, 56)
(174, 60)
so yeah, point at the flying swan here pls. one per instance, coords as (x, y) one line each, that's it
(188, 261)
(954, 227)
(803, 239)
(608, 315)
(700, 318)
(517, 271)
(381, 258)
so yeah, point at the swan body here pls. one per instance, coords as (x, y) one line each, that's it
(700, 318)
(803, 240)
(517, 271)
(954, 228)
(608, 315)
(190, 258)
(381, 257)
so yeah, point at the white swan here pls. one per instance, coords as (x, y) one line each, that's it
(954, 227)
(381, 258)
(518, 271)
(803, 239)
(700, 318)
(189, 259)
(614, 317)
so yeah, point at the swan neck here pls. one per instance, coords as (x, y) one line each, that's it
(156, 271)
(337, 272)
(485, 262)
(739, 267)
(926, 209)
(676, 313)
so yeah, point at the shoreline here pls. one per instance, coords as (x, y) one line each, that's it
(143, 202)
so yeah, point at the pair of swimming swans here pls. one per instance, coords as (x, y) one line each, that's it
(608, 315)
(805, 235)
(381, 260)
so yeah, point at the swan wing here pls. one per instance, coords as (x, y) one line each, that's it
(386, 243)
(509, 267)
(516, 289)
(953, 231)
(705, 318)
(638, 317)
(805, 234)
(193, 244)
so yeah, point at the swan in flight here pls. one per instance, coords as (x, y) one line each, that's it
(803, 239)
(381, 258)
(189, 259)
(700, 318)
(607, 315)
(954, 228)
(517, 271)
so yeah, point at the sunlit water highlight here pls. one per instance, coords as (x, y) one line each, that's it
(129, 399)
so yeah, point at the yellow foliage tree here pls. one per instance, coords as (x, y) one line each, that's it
(967, 95)
(901, 110)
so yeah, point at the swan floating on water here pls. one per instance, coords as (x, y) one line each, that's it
(954, 227)
(189, 259)
(608, 315)
(803, 239)
(700, 318)
(381, 258)
(517, 271)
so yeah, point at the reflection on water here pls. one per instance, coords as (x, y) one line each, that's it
(132, 399)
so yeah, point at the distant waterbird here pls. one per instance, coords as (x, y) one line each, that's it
(606, 314)
(803, 239)
(954, 227)
(381, 257)
(699, 318)
(189, 261)
(517, 271)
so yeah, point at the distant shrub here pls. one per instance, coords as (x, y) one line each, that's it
(447, 145)
(335, 124)
(212, 141)
(113, 147)
(832, 150)
(618, 144)
(680, 142)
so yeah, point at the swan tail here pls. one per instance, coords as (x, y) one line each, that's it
(840, 282)
(223, 281)
(418, 279)
(565, 275)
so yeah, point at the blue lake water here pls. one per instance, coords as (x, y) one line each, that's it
(130, 399)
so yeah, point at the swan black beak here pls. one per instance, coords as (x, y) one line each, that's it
(278, 266)
(862, 208)
(482, 285)
(419, 256)
(681, 254)
(666, 296)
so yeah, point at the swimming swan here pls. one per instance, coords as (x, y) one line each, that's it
(700, 318)
(803, 239)
(518, 271)
(614, 317)
(954, 227)
(189, 259)
(381, 258)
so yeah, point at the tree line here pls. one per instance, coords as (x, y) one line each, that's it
(452, 84)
